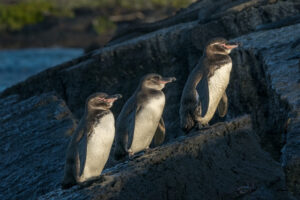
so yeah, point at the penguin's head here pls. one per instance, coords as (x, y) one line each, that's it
(101, 101)
(156, 81)
(220, 46)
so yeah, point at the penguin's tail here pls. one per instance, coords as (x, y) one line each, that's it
(186, 122)
(69, 179)
(119, 152)
(67, 184)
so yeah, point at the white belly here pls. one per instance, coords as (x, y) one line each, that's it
(217, 85)
(98, 147)
(146, 122)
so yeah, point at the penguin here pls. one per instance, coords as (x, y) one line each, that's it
(91, 142)
(140, 120)
(205, 90)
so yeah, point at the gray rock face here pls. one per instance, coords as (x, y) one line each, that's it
(230, 17)
(279, 51)
(264, 83)
(32, 145)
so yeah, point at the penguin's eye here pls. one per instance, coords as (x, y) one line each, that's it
(156, 78)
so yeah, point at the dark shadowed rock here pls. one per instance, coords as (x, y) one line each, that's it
(278, 52)
(33, 142)
(231, 17)
(278, 24)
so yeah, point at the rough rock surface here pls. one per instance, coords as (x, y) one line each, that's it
(264, 83)
(223, 162)
(32, 145)
(233, 15)
(279, 51)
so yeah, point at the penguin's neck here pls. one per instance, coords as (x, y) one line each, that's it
(93, 117)
(197, 75)
(215, 61)
(148, 93)
(218, 59)
(96, 114)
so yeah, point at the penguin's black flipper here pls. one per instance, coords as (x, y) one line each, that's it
(125, 137)
(203, 92)
(124, 128)
(72, 165)
(132, 118)
(82, 153)
(223, 105)
(121, 145)
(160, 133)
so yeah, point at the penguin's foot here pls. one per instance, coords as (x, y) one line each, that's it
(201, 126)
(89, 181)
(107, 180)
(147, 150)
(133, 156)
(130, 155)
(219, 124)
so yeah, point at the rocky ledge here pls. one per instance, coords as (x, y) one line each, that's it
(244, 161)
(217, 163)
(33, 143)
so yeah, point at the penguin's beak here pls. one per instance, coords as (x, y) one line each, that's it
(167, 80)
(113, 98)
(231, 45)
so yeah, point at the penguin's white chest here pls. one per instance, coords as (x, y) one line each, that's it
(146, 122)
(217, 85)
(104, 132)
(98, 147)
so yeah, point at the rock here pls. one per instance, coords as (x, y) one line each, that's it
(222, 162)
(234, 16)
(33, 144)
(264, 83)
(278, 51)
(278, 24)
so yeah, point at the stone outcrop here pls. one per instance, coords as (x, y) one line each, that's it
(264, 83)
(279, 54)
(33, 139)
